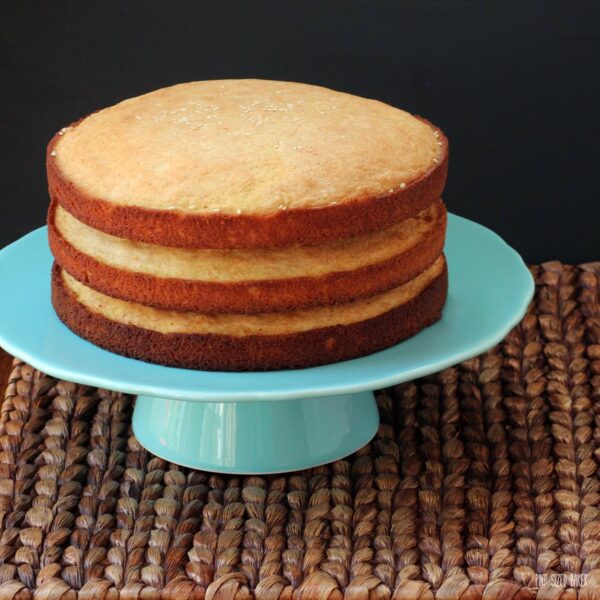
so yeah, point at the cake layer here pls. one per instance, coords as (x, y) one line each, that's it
(252, 280)
(244, 164)
(251, 342)
(239, 325)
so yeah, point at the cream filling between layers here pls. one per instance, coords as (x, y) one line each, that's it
(249, 265)
(276, 323)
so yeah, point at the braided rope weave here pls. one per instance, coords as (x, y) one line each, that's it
(483, 482)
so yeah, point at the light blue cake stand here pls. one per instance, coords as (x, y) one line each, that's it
(276, 421)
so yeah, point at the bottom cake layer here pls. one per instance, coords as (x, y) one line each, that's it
(268, 341)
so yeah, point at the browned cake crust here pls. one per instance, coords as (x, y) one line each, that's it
(246, 296)
(251, 353)
(282, 228)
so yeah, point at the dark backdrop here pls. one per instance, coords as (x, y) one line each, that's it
(515, 85)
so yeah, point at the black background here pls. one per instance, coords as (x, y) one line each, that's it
(515, 86)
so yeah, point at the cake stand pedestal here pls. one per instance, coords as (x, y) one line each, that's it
(276, 421)
(255, 437)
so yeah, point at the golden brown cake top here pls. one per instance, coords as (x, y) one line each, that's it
(245, 147)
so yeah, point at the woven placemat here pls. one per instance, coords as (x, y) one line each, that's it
(483, 481)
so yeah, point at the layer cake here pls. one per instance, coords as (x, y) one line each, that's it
(247, 224)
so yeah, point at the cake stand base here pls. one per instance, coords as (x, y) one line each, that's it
(255, 437)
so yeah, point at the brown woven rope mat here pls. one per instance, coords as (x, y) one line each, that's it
(483, 481)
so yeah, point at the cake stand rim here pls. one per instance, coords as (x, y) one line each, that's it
(524, 295)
